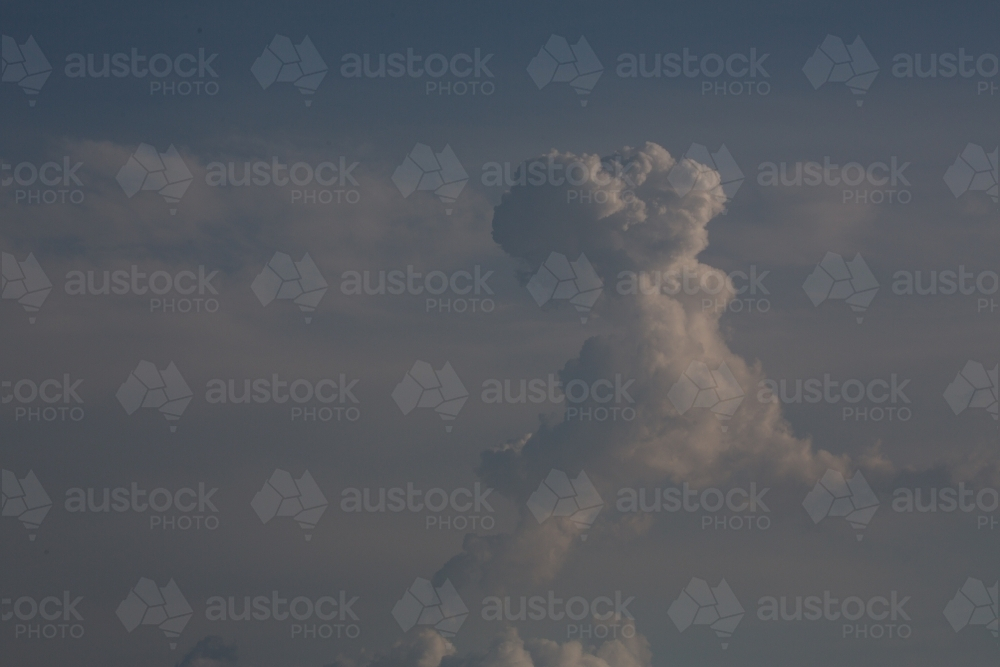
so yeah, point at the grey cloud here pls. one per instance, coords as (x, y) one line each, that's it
(428, 649)
(210, 652)
(423, 648)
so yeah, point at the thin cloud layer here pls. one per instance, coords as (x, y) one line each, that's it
(428, 649)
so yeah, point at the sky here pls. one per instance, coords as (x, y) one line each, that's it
(516, 335)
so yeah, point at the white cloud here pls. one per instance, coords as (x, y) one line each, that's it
(655, 340)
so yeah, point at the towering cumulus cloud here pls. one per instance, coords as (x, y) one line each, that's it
(645, 232)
